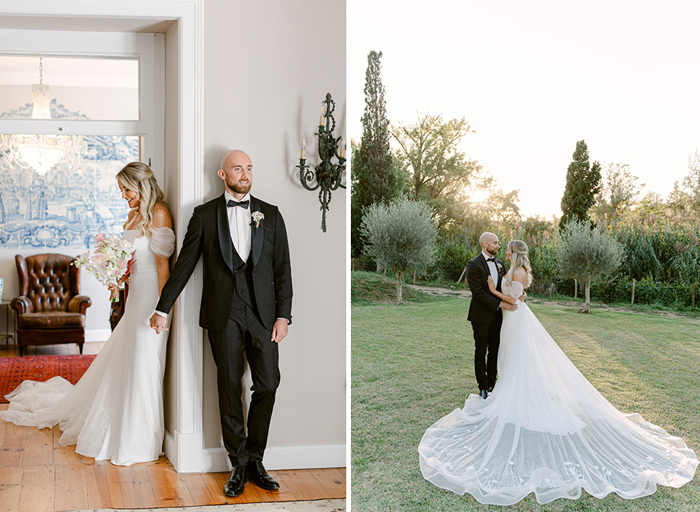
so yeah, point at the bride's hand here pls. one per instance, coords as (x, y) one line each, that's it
(113, 291)
(492, 285)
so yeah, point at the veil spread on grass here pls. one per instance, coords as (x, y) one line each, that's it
(546, 430)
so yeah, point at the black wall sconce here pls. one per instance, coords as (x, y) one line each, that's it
(328, 176)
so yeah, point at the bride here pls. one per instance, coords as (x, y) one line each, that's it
(545, 428)
(115, 411)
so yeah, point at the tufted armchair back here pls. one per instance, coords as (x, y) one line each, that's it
(49, 281)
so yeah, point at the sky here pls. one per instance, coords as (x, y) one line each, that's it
(533, 78)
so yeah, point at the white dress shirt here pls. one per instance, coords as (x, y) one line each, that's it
(239, 220)
(492, 268)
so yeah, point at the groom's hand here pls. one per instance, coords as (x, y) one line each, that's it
(158, 323)
(508, 306)
(279, 330)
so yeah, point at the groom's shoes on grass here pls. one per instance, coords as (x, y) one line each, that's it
(260, 477)
(236, 482)
(483, 393)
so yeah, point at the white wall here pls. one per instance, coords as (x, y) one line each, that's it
(268, 65)
(171, 191)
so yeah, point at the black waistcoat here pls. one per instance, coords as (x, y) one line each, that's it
(243, 276)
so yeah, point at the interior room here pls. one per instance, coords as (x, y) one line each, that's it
(89, 86)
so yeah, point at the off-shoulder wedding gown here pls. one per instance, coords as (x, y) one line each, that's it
(546, 429)
(115, 411)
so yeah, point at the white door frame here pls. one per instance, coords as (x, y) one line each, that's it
(184, 445)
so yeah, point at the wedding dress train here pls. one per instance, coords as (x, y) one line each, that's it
(546, 429)
(115, 411)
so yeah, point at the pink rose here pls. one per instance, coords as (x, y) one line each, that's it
(121, 264)
(100, 237)
(100, 258)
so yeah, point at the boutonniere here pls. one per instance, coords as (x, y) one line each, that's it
(257, 217)
(499, 267)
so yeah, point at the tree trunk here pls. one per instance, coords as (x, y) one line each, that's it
(399, 287)
(414, 277)
(634, 282)
(586, 305)
(575, 289)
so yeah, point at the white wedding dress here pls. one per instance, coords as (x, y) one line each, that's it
(115, 411)
(546, 429)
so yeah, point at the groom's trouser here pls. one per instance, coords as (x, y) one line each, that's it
(486, 340)
(244, 335)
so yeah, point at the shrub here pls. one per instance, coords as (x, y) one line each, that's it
(586, 254)
(399, 236)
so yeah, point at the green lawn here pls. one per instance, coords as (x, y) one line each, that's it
(413, 364)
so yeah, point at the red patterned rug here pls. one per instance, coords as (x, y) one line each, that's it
(14, 370)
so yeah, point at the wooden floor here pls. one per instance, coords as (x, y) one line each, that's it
(37, 475)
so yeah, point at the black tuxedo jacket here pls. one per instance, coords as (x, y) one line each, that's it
(208, 235)
(484, 305)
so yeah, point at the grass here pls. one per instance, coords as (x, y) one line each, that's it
(413, 364)
(370, 288)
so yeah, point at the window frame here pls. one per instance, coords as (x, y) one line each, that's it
(149, 49)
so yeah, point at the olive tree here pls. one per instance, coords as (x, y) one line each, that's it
(586, 254)
(400, 236)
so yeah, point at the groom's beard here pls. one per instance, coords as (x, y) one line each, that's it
(238, 187)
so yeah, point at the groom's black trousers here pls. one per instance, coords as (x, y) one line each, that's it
(486, 341)
(244, 335)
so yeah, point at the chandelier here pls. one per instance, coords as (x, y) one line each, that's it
(42, 152)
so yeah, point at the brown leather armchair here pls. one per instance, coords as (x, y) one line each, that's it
(49, 309)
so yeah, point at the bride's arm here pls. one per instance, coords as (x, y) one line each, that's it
(502, 296)
(520, 276)
(161, 219)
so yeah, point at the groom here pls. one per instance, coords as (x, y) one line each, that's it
(485, 312)
(246, 307)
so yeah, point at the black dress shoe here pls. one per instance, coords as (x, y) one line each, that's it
(260, 477)
(236, 482)
(483, 393)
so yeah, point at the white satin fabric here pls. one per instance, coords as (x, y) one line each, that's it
(115, 411)
(546, 429)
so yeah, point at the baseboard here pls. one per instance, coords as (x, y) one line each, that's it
(187, 458)
(97, 335)
(283, 457)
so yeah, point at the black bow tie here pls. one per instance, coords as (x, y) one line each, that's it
(243, 204)
(491, 259)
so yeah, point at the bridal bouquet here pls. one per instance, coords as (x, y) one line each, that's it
(111, 260)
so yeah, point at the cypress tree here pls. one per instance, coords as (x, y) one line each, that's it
(374, 179)
(582, 184)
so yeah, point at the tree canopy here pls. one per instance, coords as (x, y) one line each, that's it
(618, 193)
(439, 174)
(582, 185)
(400, 235)
(586, 254)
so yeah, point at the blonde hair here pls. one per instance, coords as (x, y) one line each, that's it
(138, 177)
(518, 258)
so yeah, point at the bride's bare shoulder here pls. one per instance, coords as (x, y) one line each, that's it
(520, 275)
(162, 217)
